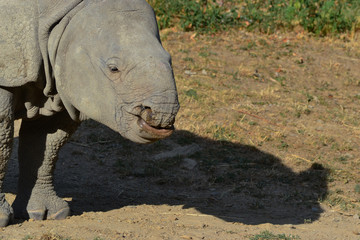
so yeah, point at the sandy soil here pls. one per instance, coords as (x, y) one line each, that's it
(105, 206)
(172, 190)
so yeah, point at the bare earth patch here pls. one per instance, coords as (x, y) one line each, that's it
(267, 140)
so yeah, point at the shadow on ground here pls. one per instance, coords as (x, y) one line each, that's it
(100, 171)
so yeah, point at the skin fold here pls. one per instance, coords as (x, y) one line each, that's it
(62, 62)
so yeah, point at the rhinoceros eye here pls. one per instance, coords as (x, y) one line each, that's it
(113, 68)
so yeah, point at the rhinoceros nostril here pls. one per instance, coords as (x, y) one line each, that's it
(147, 114)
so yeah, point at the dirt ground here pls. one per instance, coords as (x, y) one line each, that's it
(266, 147)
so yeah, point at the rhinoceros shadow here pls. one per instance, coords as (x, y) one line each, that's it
(100, 171)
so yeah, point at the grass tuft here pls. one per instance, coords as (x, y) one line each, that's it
(269, 235)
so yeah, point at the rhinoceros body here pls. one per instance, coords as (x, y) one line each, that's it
(62, 62)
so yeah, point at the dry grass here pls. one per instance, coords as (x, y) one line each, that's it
(292, 96)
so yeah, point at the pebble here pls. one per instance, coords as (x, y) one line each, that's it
(315, 209)
(319, 128)
(188, 163)
(188, 72)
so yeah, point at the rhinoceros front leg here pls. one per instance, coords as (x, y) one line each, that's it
(6, 136)
(39, 144)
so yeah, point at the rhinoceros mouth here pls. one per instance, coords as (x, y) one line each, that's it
(144, 127)
(155, 131)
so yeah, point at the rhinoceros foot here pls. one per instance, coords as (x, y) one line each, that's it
(42, 214)
(41, 206)
(6, 212)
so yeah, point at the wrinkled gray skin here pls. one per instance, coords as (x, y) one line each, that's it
(65, 61)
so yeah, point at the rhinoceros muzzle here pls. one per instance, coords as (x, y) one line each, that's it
(146, 123)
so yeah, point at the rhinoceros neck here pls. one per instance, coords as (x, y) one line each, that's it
(48, 17)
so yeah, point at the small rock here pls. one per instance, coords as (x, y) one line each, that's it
(186, 237)
(204, 72)
(290, 226)
(188, 163)
(315, 209)
(356, 216)
(349, 155)
(188, 72)
(257, 74)
(319, 128)
(291, 134)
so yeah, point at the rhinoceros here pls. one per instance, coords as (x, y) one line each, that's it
(62, 62)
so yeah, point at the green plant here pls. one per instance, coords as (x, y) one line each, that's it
(269, 235)
(307, 221)
(192, 93)
(222, 133)
(322, 17)
(357, 188)
(27, 237)
(201, 16)
(283, 145)
(49, 236)
(188, 59)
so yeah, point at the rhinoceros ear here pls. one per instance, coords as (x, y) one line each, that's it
(51, 13)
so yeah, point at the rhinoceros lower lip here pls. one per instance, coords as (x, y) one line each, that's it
(156, 132)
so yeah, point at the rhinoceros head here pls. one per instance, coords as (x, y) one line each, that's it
(109, 65)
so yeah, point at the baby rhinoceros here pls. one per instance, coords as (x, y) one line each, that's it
(64, 61)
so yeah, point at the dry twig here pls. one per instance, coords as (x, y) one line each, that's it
(258, 117)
